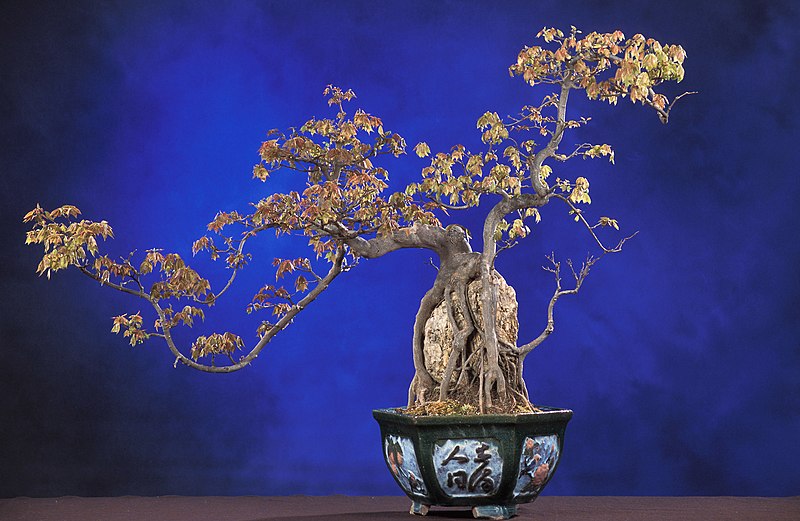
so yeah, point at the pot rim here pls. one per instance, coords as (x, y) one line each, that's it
(545, 414)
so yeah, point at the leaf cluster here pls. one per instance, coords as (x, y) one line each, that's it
(216, 344)
(345, 187)
(606, 65)
(131, 327)
(65, 243)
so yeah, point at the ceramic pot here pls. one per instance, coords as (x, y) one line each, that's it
(490, 463)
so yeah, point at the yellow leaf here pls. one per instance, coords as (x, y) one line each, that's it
(580, 193)
(422, 149)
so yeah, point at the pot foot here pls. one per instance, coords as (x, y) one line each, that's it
(494, 511)
(418, 509)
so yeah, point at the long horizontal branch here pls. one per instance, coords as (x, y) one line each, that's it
(335, 271)
(444, 241)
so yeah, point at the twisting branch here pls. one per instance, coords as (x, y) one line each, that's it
(539, 185)
(559, 292)
(440, 240)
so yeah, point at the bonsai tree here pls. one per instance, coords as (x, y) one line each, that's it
(466, 354)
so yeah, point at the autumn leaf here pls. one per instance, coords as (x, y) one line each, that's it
(422, 149)
(216, 343)
(301, 284)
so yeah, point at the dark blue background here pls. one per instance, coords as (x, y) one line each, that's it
(680, 357)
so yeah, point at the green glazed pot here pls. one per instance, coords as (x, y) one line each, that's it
(490, 463)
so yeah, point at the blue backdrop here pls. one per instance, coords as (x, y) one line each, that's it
(680, 357)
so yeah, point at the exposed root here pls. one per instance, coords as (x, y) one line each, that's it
(421, 385)
(465, 376)
(461, 335)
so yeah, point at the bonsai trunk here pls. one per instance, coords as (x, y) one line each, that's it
(464, 350)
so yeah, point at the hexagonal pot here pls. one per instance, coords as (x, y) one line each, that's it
(490, 463)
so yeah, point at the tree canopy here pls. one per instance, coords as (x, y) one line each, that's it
(346, 210)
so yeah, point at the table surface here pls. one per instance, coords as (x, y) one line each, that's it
(333, 508)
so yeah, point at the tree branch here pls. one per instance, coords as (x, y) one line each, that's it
(335, 271)
(239, 250)
(663, 114)
(444, 241)
(589, 227)
(539, 185)
(110, 284)
(559, 292)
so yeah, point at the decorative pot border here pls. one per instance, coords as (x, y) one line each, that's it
(490, 463)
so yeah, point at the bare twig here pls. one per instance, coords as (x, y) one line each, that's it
(663, 115)
(589, 227)
(579, 276)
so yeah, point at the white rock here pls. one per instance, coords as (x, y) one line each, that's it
(438, 341)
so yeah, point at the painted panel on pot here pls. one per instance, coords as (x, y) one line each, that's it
(468, 467)
(539, 457)
(402, 460)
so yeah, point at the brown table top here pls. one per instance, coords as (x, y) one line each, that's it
(333, 508)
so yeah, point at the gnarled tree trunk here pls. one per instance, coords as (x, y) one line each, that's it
(450, 333)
